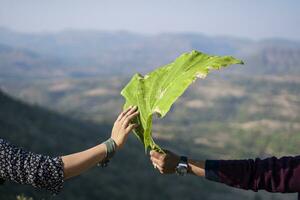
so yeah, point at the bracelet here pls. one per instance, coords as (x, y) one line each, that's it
(111, 147)
(110, 151)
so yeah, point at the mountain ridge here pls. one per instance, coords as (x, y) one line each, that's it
(89, 53)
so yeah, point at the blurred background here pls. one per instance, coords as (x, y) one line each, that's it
(63, 64)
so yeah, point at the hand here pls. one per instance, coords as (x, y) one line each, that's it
(122, 126)
(165, 163)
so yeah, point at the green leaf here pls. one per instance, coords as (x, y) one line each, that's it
(158, 90)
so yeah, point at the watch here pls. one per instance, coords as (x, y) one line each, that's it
(182, 167)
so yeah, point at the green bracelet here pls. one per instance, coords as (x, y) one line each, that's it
(110, 148)
(110, 151)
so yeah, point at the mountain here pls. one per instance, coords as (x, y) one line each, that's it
(92, 53)
(277, 60)
(19, 62)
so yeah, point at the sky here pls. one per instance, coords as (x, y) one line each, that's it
(254, 19)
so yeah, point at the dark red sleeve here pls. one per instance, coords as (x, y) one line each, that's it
(271, 174)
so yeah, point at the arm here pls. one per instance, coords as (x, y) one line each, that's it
(41, 171)
(167, 163)
(271, 174)
(77, 163)
(25, 167)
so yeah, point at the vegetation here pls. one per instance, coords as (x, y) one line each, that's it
(243, 112)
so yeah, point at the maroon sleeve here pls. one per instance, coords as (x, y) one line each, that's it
(271, 174)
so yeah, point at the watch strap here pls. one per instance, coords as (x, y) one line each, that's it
(183, 163)
(183, 159)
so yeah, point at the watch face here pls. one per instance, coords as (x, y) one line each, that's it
(181, 170)
(182, 167)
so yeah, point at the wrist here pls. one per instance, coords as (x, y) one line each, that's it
(196, 167)
(110, 146)
(118, 145)
(182, 166)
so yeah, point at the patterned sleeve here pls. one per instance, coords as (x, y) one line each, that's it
(25, 167)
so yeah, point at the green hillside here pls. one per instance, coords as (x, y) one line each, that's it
(129, 176)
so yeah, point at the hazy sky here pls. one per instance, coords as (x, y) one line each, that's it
(245, 18)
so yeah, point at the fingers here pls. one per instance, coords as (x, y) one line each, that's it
(129, 118)
(122, 126)
(165, 163)
(131, 127)
(157, 159)
(127, 114)
(159, 168)
(158, 165)
(155, 154)
(122, 114)
(157, 162)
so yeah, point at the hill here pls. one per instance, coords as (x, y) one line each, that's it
(129, 176)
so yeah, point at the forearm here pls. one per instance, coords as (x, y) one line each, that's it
(271, 174)
(196, 167)
(77, 163)
(26, 167)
